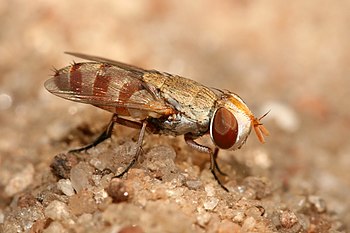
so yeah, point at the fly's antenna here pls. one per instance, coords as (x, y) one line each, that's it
(264, 115)
(260, 129)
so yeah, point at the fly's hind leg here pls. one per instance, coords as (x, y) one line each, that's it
(138, 149)
(213, 164)
(107, 133)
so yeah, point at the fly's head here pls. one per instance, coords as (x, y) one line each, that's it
(232, 122)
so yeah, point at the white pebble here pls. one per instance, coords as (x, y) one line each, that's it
(248, 224)
(55, 227)
(80, 175)
(57, 210)
(209, 189)
(97, 163)
(210, 203)
(65, 185)
(194, 184)
(238, 216)
(318, 202)
(100, 196)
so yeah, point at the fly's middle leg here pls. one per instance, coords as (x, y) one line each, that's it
(138, 149)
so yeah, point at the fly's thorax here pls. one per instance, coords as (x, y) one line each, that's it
(231, 122)
(155, 78)
(193, 101)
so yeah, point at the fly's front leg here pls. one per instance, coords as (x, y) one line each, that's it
(215, 155)
(107, 133)
(213, 164)
(138, 149)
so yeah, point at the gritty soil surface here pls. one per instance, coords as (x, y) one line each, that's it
(292, 58)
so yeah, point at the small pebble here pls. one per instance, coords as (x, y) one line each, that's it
(209, 189)
(248, 224)
(210, 203)
(193, 184)
(96, 179)
(62, 164)
(288, 219)
(318, 203)
(97, 163)
(259, 187)
(65, 185)
(254, 211)
(85, 218)
(160, 161)
(57, 210)
(55, 227)
(241, 189)
(238, 216)
(82, 202)
(80, 175)
(118, 190)
(100, 196)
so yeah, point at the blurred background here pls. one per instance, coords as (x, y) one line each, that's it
(292, 58)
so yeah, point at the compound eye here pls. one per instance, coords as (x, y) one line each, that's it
(224, 129)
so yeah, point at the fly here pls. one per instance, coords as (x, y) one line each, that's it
(159, 103)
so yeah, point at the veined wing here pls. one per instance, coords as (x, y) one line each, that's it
(113, 86)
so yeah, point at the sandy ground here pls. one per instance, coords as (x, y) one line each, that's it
(292, 58)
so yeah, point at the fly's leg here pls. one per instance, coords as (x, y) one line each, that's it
(215, 155)
(213, 164)
(107, 133)
(128, 123)
(138, 149)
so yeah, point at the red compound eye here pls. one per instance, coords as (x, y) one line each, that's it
(224, 129)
